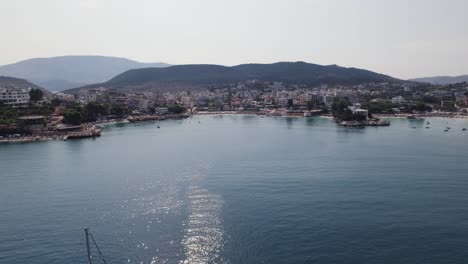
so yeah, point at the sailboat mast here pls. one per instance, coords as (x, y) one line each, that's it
(87, 245)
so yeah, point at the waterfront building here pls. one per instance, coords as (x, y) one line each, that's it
(362, 112)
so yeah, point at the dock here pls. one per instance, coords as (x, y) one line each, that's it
(83, 134)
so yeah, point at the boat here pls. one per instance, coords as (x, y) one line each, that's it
(158, 126)
(463, 129)
(428, 127)
(446, 130)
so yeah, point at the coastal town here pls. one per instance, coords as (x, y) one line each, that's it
(31, 114)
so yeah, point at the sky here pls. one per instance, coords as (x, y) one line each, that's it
(401, 38)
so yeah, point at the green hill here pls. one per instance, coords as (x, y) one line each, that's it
(193, 76)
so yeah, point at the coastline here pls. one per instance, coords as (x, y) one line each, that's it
(431, 115)
(87, 130)
(93, 129)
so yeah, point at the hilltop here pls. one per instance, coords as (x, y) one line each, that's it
(65, 72)
(16, 83)
(194, 76)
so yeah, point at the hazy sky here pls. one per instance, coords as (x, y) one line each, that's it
(402, 38)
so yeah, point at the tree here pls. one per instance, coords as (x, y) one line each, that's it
(152, 110)
(310, 105)
(176, 109)
(35, 95)
(93, 110)
(421, 107)
(431, 100)
(118, 110)
(339, 106)
(56, 102)
(71, 116)
(290, 103)
(347, 115)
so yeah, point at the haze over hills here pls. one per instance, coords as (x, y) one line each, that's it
(442, 79)
(16, 83)
(65, 72)
(193, 76)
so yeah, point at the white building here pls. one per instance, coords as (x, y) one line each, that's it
(10, 96)
(407, 89)
(398, 100)
(363, 112)
(357, 110)
(64, 97)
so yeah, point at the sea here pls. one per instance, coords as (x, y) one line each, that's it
(240, 189)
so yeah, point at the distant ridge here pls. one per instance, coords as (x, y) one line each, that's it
(65, 72)
(193, 76)
(442, 80)
(16, 83)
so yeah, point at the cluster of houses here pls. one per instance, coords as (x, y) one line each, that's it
(242, 96)
(256, 95)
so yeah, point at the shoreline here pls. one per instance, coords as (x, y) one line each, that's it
(434, 115)
(93, 129)
(88, 130)
(431, 115)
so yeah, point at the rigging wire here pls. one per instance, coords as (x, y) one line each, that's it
(95, 244)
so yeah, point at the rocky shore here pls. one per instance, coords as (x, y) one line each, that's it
(65, 132)
(362, 124)
(84, 132)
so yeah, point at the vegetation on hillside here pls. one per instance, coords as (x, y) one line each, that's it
(76, 114)
(287, 72)
(9, 114)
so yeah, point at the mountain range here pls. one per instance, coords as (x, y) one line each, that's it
(442, 80)
(65, 72)
(199, 75)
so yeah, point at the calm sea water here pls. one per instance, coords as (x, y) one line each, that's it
(240, 189)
